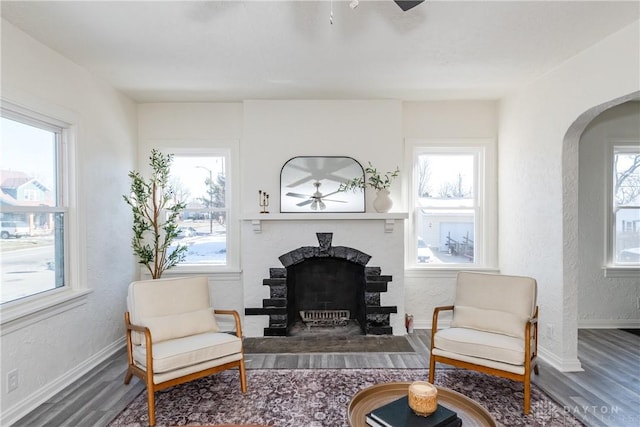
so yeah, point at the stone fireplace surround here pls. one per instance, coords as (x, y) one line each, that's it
(325, 277)
(267, 237)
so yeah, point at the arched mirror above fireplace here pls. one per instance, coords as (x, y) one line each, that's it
(311, 184)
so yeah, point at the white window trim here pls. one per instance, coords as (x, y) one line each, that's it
(611, 269)
(18, 314)
(487, 224)
(229, 149)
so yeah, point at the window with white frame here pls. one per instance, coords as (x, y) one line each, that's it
(201, 181)
(449, 200)
(33, 206)
(624, 223)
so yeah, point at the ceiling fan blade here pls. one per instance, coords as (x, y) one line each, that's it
(406, 5)
(305, 203)
(301, 181)
(298, 195)
(334, 200)
(329, 194)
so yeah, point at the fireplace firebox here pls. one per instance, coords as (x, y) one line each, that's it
(326, 282)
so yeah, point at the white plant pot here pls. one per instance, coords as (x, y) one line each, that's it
(382, 202)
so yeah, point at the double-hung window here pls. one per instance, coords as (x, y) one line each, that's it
(624, 206)
(450, 203)
(201, 181)
(33, 206)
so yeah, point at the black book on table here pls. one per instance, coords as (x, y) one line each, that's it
(457, 422)
(399, 414)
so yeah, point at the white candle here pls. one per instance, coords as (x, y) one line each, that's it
(423, 398)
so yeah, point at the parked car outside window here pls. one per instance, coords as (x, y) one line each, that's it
(14, 229)
(630, 255)
(424, 253)
(186, 232)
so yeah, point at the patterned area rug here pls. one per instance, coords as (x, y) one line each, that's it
(319, 398)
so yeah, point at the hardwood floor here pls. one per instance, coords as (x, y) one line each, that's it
(607, 393)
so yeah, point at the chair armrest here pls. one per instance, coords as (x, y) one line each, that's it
(147, 338)
(531, 331)
(236, 317)
(434, 323)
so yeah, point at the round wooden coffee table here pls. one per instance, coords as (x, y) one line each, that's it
(370, 398)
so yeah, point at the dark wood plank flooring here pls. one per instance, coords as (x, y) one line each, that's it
(607, 393)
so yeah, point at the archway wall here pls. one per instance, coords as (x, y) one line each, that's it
(540, 125)
(611, 301)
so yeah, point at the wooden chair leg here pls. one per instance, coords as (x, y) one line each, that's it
(151, 403)
(128, 376)
(243, 377)
(432, 368)
(527, 395)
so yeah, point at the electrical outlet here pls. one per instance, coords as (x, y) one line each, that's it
(549, 330)
(638, 303)
(12, 380)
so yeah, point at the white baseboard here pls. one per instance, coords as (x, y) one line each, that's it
(22, 408)
(562, 365)
(608, 323)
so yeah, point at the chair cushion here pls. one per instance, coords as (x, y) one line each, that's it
(481, 344)
(165, 328)
(182, 303)
(508, 367)
(501, 322)
(494, 302)
(182, 352)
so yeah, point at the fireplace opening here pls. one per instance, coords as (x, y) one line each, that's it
(326, 290)
(326, 282)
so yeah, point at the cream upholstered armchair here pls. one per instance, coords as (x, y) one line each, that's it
(173, 336)
(494, 328)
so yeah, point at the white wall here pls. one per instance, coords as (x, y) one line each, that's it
(271, 132)
(181, 128)
(274, 132)
(52, 353)
(538, 178)
(441, 120)
(603, 301)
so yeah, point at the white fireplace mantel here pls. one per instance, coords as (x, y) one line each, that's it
(389, 219)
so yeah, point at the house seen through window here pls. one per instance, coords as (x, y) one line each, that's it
(201, 182)
(446, 207)
(32, 209)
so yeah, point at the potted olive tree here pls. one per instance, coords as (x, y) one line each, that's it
(155, 217)
(377, 181)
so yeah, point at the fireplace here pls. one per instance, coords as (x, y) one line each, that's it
(326, 283)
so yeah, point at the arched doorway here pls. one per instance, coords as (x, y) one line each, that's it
(571, 184)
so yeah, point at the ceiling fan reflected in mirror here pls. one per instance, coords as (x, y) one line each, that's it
(315, 200)
(309, 184)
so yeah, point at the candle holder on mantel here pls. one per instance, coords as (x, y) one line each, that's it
(263, 201)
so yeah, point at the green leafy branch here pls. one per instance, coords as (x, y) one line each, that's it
(375, 180)
(150, 202)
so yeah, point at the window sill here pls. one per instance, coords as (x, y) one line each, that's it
(22, 313)
(620, 271)
(221, 272)
(444, 271)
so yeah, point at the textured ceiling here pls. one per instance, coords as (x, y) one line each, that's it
(234, 50)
